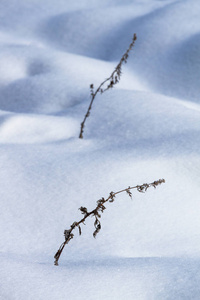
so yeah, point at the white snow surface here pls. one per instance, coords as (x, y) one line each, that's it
(146, 128)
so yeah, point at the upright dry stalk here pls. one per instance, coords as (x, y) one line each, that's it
(113, 79)
(96, 213)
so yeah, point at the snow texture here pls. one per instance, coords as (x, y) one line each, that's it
(146, 128)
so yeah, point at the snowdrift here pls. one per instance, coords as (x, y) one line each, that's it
(146, 128)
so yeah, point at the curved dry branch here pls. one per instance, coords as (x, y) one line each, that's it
(113, 79)
(96, 213)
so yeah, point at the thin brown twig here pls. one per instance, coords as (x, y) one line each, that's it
(97, 213)
(113, 79)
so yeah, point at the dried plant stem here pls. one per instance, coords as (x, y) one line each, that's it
(113, 79)
(97, 213)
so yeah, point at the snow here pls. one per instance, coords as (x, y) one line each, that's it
(146, 128)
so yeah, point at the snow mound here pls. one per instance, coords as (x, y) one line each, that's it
(31, 129)
(144, 129)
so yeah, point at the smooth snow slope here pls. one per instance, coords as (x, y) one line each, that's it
(146, 128)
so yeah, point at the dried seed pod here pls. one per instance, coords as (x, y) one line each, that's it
(97, 226)
(79, 228)
(83, 210)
